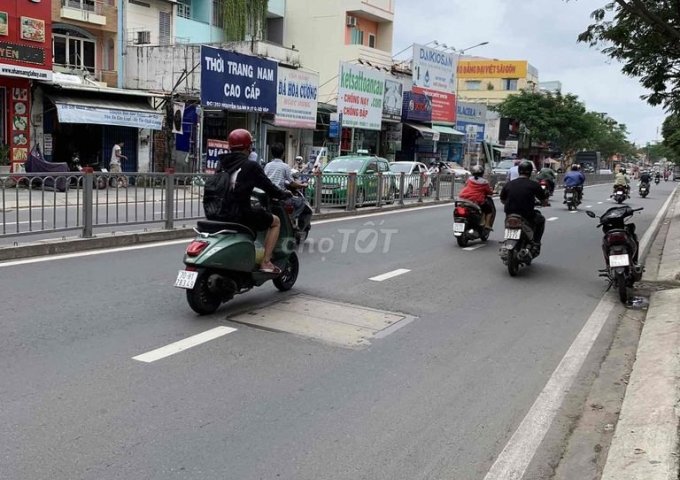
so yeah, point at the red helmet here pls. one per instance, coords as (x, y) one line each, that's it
(240, 139)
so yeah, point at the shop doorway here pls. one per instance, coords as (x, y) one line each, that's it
(274, 136)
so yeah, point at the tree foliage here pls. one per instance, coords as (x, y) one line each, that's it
(243, 18)
(563, 121)
(670, 131)
(644, 35)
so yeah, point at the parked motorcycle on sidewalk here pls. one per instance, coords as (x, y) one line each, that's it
(620, 247)
(572, 197)
(223, 260)
(644, 190)
(468, 222)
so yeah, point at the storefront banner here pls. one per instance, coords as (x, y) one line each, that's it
(393, 100)
(417, 107)
(443, 105)
(233, 81)
(464, 126)
(296, 98)
(25, 72)
(360, 96)
(334, 125)
(106, 116)
(212, 157)
(434, 69)
(492, 69)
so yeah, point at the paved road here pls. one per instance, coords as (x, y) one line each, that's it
(437, 399)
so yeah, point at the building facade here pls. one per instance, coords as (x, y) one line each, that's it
(487, 81)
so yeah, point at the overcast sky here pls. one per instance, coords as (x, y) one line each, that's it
(544, 33)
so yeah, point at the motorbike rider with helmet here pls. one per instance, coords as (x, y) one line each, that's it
(478, 190)
(548, 174)
(519, 197)
(575, 178)
(246, 176)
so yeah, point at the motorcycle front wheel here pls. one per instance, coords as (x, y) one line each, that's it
(201, 299)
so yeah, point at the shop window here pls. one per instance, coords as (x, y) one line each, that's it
(356, 37)
(164, 22)
(218, 12)
(473, 85)
(71, 50)
(510, 84)
(88, 5)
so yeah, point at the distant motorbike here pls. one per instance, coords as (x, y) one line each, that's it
(572, 197)
(224, 258)
(620, 193)
(545, 185)
(644, 189)
(468, 222)
(620, 248)
(657, 180)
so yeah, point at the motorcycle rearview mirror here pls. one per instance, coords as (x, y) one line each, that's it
(591, 214)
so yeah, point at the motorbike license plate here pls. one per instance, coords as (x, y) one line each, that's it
(458, 227)
(568, 194)
(619, 260)
(619, 192)
(512, 233)
(186, 279)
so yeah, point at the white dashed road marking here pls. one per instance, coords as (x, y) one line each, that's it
(552, 219)
(600, 203)
(388, 275)
(475, 247)
(182, 345)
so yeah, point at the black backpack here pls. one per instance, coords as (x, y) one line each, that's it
(216, 195)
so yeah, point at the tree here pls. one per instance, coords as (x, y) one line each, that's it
(644, 35)
(244, 17)
(550, 118)
(670, 130)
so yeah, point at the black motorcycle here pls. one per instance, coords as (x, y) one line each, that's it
(620, 248)
(468, 222)
(657, 180)
(518, 248)
(572, 197)
(303, 224)
(620, 193)
(644, 189)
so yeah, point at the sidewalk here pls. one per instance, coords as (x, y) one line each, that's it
(645, 443)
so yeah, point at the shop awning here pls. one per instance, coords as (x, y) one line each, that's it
(448, 130)
(426, 132)
(125, 111)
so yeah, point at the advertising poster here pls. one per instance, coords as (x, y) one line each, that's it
(471, 115)
(434, 69)
(296, 98)
(360, 96)
(233, 81)
(492, 68)
(393, 100)
(417, 107)
(212, 157)
(443, 105)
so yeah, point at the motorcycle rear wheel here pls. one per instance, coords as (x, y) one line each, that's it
(622, 287)
(201, 299)
(513, 263)
(286, 280)
(462, 241)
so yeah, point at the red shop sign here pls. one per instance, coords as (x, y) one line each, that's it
(443, 105)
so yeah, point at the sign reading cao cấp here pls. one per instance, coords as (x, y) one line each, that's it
(360, 96)
(237, 82)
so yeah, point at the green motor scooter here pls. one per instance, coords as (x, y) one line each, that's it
(224, 258)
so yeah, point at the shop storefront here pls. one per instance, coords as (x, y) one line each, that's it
(361, 93)
(237, 91)
(86, 122)
(390, 135)
(25, 56)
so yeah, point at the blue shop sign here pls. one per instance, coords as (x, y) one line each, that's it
(461, 125)
(233, 81)
(417, 107)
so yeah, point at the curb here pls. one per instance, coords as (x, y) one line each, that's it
(122, 239)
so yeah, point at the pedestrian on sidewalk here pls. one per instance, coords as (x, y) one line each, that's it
(115, 164)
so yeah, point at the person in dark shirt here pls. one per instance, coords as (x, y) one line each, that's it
(519, 198)
(645, 177)
(245, 176)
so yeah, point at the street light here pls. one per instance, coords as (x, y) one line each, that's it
(462, 51)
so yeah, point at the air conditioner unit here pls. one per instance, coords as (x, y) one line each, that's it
(143, 37)
(351, 21)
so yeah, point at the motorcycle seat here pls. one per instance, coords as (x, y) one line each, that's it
(213, 226)
(468, 204)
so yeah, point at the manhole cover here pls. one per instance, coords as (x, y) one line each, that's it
(341, 324)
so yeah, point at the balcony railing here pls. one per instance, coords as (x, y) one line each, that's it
(97, 12)
(93, 6)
